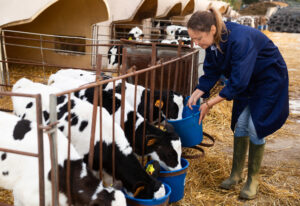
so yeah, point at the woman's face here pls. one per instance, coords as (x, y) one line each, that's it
(203, 39)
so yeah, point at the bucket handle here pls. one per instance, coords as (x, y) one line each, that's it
(172, 174)
(209, 137)
(195, 156)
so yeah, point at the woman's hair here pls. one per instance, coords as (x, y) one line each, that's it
(203, 20)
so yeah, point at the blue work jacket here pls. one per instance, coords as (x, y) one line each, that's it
(257, 77)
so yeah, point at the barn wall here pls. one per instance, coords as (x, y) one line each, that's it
(66, 17)
(189, 8)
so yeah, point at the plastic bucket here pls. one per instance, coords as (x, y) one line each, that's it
(163, 201)
(187, 128)
(176, 180)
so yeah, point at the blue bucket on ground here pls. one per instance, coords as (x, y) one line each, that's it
(163, 201)
(187, 128)
(175, 179)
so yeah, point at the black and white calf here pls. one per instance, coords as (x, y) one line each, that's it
(162, 146)
(175, 101)
(114, 54)
(88, 76)
(128, 169)
(175, 32)
(135, 34)
(20, 173)
(167, 41)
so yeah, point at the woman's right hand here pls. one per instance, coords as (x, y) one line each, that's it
(194, 98)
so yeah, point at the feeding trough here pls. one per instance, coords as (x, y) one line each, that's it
(175, 179)
(187, 128)
(163, 201)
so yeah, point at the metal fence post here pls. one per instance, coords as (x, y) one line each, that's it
(53, 151)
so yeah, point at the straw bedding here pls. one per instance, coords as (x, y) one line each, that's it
(279, 179)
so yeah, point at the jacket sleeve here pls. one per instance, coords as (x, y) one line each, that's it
(210, 77)
(243, 58)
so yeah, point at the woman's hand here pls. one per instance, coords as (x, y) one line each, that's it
(206, 106)
(204, 109)
(194, 98)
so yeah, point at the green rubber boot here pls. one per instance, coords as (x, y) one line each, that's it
(240, 148)
(256, 153)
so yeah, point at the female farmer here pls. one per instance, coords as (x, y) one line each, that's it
(257, 84)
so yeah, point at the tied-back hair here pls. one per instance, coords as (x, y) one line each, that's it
(203, 20)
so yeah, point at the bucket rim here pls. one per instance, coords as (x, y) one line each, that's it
(151, 200)
(186, 118)
(179, 170)
(167, 173)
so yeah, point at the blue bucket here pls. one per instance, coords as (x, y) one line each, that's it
(163, 201)
(187, 128)
(176, 180)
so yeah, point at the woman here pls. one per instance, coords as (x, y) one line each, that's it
(257, 84)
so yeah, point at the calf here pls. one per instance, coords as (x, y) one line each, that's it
(20, 173)
(163, 146)
(128, 168)
(136, 34)
(175, 32)
(114, 54)
(89, 76)
(175, 101)
(167, 41)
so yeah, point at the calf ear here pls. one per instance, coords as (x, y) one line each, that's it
(137, 188)
(151, 140)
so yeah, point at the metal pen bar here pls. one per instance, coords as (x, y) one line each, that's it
(40, 141)
(113, 132)
(68, 180)
(53, 152)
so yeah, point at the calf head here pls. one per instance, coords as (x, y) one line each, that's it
(135, 34)
(144, 190)
(88, 76)
(108, 197)
(164, 146)
(86, 189)
(173, 101)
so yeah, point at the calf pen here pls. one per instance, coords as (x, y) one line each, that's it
(184, 67)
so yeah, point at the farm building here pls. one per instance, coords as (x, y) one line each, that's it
(60, 18)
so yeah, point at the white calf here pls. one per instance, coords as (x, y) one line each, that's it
(20, 173)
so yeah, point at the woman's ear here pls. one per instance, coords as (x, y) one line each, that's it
(213, 30)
